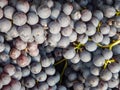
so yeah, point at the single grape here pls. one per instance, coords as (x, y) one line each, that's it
(114, 67)
(9, 11)
(6, 79)
(104, 29)
(50, 3)
(107, 54)
(113, 83)
(54, 13)
(75, 59)
(15, 53)
(29, 82)
(10, 69)
(95, 21)
(43, 86)
(75, 15)
(80, 27)
(72, 76)
(95, 70)
(90, 46)
(15, 84)
(112, 31)
(97, 37)
(41, 77)
(3, 3)
(44, 11)
(1, 13)
(2, 47)
(35, 67)
(3, 23)
(105, 75)
(61, 87)
(83, 38)
(64, 20)
(19, 18)
(106, 40)
(78, 86)
(98, 60)
(116, 50)
(85, 56)
(18, 74)
(67, 31)
(98, 14)
(54, 27)
(67, 8)
(25, 72)
(50, 70)
(69, 54)
(86, 15)
(32, 18)
(73, 36)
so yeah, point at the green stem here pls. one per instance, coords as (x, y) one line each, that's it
(59, 62)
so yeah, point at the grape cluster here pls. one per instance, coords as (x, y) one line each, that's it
(59, 44)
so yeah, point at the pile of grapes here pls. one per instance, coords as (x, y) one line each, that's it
(59, 44)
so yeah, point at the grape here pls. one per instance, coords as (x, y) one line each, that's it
(67, 8)
(18, 74)
(67, 31)
(2, 47)
(95, 21)
(73, 36)
(69, 54)
(54, 27)
(115, 75)
(116, 50)
(113, 83)
(102, 85)
(23, 61)
(114, 67)
(51, 81)
(80, 27)
(54, 37)
(109, 2)
(25, 72)
(52, 60)
(13, 32)
(19, 44)
(7, 48)
(98, 14)
(36, 58)
(35, 67)
(3, 23)
(69, 84)
(50, 70)
(44, 11)
(75, 15)
(109, 11)
(97, 37)
(91, 29)
(86, 15)
(43, 86)
(117, 22)
(85, 56)
(104, 29)
(10, 69)
(83, 38)
(3, 3)
(32, 18)
(86, 73)
(75, 59)
(106, 40)
(14, 53)
(37, 31)
(40, 39)
(72, 76)
(6, 79)
(4, 58)
(93, 81)
(107, 53)
(90, 46)
(62, 87)
(32, 46)
(112, 31)
(2, 39)
(22, 6)
(105, 75)
(15, 85)
(50, 3)
(76, 6)
(1, 13)
(29, 82)
(41, 77)
(94, 70)
(9, 11)
(24, 32)
(19, 18)
(78, 86)
(34, 53)
(44, 22)
(54, 13)
(64, 20)
(98, 60)
(64, 42)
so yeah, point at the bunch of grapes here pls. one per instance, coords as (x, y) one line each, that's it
(59, 44)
